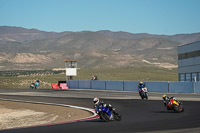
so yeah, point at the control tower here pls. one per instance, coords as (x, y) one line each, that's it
(71, 69)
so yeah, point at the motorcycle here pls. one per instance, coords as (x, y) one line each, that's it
(175, 105)
(106, 114)
(144, 93)
(34, 85)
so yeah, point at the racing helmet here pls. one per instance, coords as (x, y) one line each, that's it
(141, 82)
(96, 100)
(164, 97)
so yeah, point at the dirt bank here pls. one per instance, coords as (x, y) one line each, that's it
(18, 114)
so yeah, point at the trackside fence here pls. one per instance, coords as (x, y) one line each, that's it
(153, 86)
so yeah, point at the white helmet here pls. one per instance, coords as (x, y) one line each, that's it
(96, 100)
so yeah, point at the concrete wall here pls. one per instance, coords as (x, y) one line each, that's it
(98, 84)
(131, 85)
(197, 87)
(181, 87)
(85, 84)
(115, 85)
(157, 86)
(73, 84)
(153, 86)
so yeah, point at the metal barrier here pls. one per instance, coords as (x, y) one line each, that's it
(153, 86)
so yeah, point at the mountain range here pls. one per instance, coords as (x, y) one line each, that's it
(28, 49)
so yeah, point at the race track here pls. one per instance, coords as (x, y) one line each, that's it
(137, 115)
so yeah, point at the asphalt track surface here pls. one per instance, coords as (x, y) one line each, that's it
(137, 115)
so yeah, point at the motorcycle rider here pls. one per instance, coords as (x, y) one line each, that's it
(167, 99)
(140, 86)
(37, 83)
(98, 103)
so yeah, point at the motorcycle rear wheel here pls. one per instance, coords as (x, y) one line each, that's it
(182, 109)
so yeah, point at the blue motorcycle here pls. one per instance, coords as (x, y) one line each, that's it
(106, 114)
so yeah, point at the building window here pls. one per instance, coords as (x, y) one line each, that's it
(189, 55)
(188, 77)
(182, 77)
(194, 76)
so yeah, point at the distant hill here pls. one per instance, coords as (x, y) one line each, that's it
(181, 38)
(18, 34)
(22, 48)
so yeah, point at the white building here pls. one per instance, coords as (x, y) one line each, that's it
(189, 62)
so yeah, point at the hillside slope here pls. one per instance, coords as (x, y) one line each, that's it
(22, 48)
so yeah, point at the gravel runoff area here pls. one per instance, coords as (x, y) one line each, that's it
(19, 114)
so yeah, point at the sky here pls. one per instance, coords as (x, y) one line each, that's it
(167, 17)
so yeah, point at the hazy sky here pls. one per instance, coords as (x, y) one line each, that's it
(135, 16)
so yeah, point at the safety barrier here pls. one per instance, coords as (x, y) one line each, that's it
(153, 86)
(114, 85)
(196, 87)
(131, 85)
(157, 86)
(181, 87)
(98, 84)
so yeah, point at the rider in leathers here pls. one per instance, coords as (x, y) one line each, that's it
(166, 100)
(98, 103)
(140, 86)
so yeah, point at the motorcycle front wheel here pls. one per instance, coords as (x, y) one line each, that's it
(146, 95)
(176, 108)
(104, 116)
(142, 95)
(117, 117)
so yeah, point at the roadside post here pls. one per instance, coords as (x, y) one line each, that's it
(194, 83)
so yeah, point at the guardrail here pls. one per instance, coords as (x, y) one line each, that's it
(153, 86)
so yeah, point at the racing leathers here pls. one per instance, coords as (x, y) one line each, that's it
(167, 100)
(101, 103)
(140, 86)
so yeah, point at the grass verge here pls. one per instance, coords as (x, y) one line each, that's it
(125, 74)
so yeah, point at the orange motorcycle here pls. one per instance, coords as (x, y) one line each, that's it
(174, 105)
